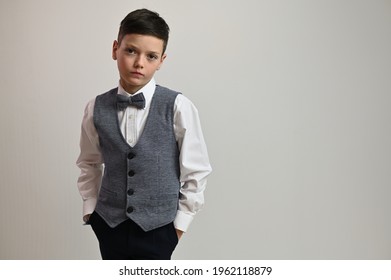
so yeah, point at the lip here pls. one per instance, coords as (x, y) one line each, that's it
(138, 74)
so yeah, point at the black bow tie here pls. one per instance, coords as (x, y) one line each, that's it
(137, 100)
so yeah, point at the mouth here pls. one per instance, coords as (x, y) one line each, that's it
(138, 74)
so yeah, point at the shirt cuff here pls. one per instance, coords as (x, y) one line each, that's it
(89, 206)
(182, 221)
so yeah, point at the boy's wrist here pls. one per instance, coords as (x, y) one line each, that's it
(179, 233)
(182, 221)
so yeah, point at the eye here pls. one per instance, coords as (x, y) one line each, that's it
(130, 51)
(152, 57)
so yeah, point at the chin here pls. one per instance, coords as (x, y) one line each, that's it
(133, 83)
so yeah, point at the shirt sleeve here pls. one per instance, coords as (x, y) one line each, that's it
(193, 161)
(89, 161)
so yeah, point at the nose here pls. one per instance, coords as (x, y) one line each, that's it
(138, 62)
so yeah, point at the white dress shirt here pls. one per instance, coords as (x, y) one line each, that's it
(193, 157)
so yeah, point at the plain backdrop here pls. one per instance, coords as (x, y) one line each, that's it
(295, 104)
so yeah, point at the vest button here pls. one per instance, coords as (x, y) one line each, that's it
(131, 173)
(130, 209)
(131, 155)
(130, 191)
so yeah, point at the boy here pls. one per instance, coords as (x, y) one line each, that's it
(150, 142)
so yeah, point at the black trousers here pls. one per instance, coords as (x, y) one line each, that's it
(128, 241)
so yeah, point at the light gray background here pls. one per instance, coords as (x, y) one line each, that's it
(295, 102)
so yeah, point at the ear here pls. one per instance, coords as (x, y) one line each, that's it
(115, 49)
(161, 60)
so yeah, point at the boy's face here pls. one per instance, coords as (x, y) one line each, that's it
(138, 57)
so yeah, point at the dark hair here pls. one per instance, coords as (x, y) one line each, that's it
(144, 22)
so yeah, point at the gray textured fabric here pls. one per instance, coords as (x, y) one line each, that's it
(124, 101)
(140, 182)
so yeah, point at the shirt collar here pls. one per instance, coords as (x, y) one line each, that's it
(148, 90)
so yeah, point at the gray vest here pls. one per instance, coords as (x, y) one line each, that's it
(140, 182)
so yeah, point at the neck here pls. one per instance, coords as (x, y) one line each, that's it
(129, 88)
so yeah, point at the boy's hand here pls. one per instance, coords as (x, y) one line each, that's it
(179, 233)
(86, 218)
